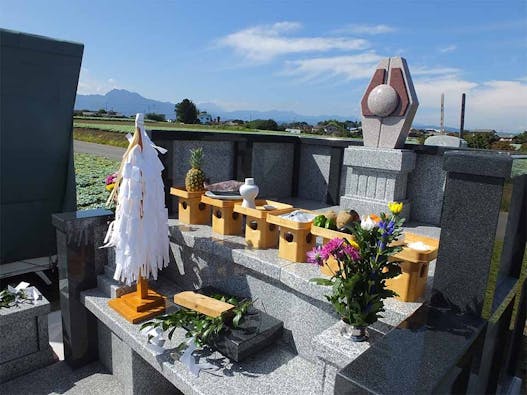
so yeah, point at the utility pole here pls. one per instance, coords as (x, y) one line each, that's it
(442, 113)
(462, 118)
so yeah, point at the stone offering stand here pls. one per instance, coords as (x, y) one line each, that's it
(298, 362)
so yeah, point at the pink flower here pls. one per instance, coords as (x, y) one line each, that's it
(332, 247)
(316, 256)
(351, 252)
(111, 179)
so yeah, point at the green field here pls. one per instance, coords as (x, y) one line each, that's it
(90, 174)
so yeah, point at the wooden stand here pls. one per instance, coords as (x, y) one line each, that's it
(191, 210)
(411, 283)
(224, 220)
(140, 305)
(258, 232)
(295, 238)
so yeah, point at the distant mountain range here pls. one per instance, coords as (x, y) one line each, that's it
(129, 103)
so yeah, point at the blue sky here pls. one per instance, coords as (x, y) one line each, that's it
(310, 57)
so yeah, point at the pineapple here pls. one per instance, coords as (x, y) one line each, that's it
(195, 176)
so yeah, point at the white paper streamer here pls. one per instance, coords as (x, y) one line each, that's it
(155, 341)
(190, 360)
(30, 292)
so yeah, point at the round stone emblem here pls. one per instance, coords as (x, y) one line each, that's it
(383, 100)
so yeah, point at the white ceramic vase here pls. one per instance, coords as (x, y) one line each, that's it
(249, 191)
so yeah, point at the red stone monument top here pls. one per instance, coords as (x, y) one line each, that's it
(388, 105)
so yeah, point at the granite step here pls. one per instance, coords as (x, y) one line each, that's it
(59, 378)
(279, 287)
(274, 370)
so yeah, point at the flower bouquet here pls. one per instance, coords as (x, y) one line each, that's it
(358, 280)
(110, 181)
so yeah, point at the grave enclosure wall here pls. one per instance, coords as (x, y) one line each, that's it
(293, 166)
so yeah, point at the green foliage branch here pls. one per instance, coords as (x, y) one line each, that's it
(198, 325)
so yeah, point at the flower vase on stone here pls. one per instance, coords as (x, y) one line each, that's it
(358, 280)
(249, 191)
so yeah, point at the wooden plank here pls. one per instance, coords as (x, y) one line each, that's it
(201, 303)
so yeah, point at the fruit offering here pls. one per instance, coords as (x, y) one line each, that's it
(195, 176)
(333, 221)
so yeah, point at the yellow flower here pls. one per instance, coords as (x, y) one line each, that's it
(395, 207)
(109, 187)
(354, 244)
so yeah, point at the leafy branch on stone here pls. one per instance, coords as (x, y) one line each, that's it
(9, 299)
(198, 325)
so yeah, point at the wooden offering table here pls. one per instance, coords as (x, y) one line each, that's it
(295, 237)
(258, 232)
(411, 283)
(191, 210)
(224, 220)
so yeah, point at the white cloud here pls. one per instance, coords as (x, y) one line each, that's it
(365, 29)
(448, 48)
(420, 70)
(349, 67)
(500, 105)
(264, 42)
(89, 84)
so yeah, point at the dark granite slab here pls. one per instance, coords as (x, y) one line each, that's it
(258, 330)
(255, 331)
(415, 356)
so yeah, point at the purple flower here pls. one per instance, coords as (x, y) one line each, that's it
(332, 247)
(315, 256)
(351, 252)
(387, 228)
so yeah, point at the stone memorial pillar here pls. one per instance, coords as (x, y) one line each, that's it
(377, 173)
(79, 236)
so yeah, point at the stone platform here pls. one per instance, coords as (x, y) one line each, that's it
(305, 360)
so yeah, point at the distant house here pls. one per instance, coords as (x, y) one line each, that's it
(331, 129)
(483, 131)
(292, 130)
(507, 137)
(204, 117)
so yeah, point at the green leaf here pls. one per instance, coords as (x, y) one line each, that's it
(321, 281)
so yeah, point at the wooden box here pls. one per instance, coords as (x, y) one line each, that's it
(224, 220)
(295, 237)
(258, 232)
(191, 210)
(411, 283)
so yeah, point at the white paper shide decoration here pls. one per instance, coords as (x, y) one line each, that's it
(140, 230)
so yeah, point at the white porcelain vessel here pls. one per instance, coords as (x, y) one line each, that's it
(249, 191)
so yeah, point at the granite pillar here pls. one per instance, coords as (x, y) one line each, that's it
(471, 206)
(79, 234)
(375, 177)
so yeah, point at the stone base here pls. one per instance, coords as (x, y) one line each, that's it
(24, 340)
(20, 366)
(375, 177)
(368, 206)
(256, 331)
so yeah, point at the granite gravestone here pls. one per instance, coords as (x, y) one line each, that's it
(378, 172)
(446, 141)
